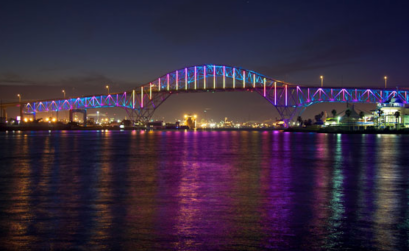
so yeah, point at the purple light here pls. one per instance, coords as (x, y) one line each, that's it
(275, 93)
(264, 87)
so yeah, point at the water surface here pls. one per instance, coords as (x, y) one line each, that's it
(214, 190)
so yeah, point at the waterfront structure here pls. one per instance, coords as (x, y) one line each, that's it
(393, 113)
(290, 100)
(190, 120)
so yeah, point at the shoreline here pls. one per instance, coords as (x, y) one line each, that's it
(330, 130)
(347, 131)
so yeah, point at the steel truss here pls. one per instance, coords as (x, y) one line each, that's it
(290, 100)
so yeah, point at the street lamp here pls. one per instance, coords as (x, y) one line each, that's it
(386, 80)
(322, 81)
(63, 91)
(19, 98)
(107, 88)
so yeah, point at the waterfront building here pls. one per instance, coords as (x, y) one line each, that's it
(392, 113)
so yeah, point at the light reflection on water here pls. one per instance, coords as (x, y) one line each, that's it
(189, 190)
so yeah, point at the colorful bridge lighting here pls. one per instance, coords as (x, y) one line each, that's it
(177, 80)
(185, 78)
(234, 78)
(195, 77)
(288, 99)
(204, 77)
(224, 77)
(168, 84)
(244, 79)
(214, 76)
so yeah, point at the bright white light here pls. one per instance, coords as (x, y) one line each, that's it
(122, 126)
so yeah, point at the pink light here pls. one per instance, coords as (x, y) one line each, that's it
(159, 84)
(286, 95)
(195, 78)
(264, 87)
(177, 80)
(308, 98)
(185, 78)
(254, 80)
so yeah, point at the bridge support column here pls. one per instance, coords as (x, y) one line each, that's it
(21, 114)
(287, 113)
(84, 113)
(3, 117)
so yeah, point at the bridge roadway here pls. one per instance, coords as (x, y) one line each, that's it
(140, 103)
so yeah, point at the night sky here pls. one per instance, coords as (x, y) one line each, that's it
(81, 46)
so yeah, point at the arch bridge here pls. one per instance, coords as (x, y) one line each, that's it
(290, 100)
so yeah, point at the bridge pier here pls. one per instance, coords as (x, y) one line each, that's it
(21, 113)
(3, 117)
(83, 111)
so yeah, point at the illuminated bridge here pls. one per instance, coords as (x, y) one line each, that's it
(140, 103)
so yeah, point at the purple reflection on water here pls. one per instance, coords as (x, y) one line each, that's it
(194, 190)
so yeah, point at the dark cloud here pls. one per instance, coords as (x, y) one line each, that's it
(7, 78)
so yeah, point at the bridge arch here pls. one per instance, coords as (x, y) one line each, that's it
(289, 99)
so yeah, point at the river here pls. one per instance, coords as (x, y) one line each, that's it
(203, 190)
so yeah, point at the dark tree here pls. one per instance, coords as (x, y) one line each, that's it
(397, 115)
(300, 121)
(348, 113)
(379, 112)
(361, 115)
